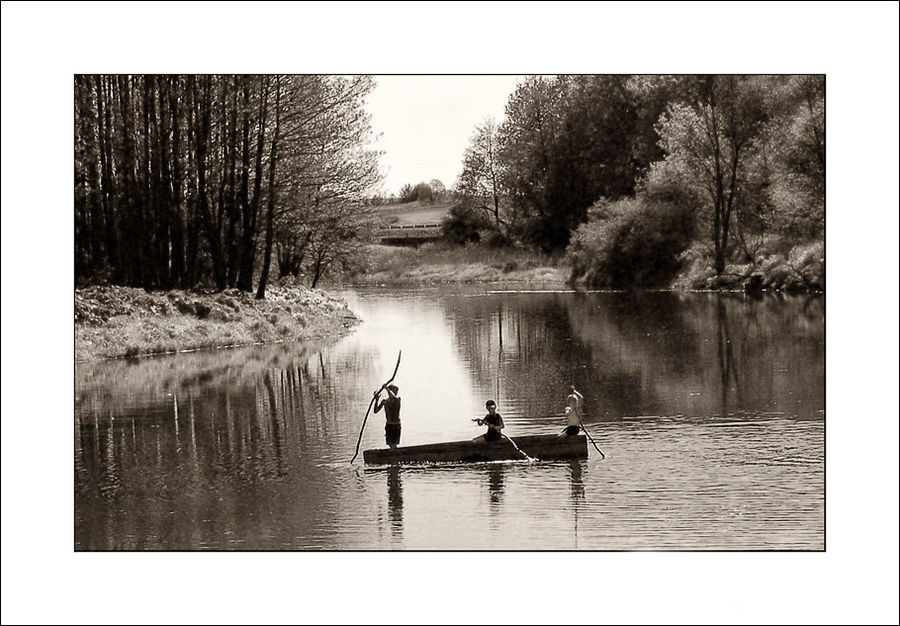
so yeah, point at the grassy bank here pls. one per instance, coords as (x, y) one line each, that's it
(438, 263)
(121, 321)
(799, 268)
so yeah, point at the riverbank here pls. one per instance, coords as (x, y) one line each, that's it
(439, 264)
(799, 270)
(121, 321)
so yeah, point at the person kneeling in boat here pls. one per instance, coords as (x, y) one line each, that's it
(494, 423)
(391, 406)
(573, 412)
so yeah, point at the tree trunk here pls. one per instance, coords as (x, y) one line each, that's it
(107, 182)
(212, 232)
(270, 210)
(251, 204)
(131, 193)
(244, 282)
(231, 164)
(176, 214)
(147, 233)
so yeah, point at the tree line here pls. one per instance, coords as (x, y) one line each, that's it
(634, 176)
(185, 180)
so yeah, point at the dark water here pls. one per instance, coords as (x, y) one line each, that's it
(710, 409)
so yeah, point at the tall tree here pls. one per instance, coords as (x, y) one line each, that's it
(527, 135)
(712, 140)
(326, 173)
(482, 173)
(795, 156)
(250, 204)
(171, 174)
(270, 209)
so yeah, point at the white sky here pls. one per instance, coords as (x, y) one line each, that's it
(423, 123)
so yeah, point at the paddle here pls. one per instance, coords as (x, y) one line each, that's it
(580, 421)
(591, 439)
(372, 402)
(509, 439)
(499, 364)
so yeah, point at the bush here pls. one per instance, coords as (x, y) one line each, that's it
(807, 264)
(463, 224)
(775, 271)
(494, 240)
(631, 242)
(697, 269)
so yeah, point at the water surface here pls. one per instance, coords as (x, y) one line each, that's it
(709, 407)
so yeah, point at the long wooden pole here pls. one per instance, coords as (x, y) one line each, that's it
(372, 401)
(519, 450)
(591, 439)
(499, 365)
(580, 421)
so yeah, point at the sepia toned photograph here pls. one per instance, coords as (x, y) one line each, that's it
(450, 313)
(319, 312)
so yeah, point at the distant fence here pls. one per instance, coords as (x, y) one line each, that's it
(405, 226)
(409, 234)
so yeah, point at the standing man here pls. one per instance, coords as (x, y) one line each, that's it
(573, 412)
(391, 406)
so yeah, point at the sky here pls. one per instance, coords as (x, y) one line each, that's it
(423, 123)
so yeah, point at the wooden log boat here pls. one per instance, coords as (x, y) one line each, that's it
(544, 447)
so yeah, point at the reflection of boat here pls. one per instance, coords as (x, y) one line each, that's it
(546, 447)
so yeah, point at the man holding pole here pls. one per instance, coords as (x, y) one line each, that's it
(573, 412)
(391, 406)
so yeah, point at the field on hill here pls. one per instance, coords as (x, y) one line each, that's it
(412, 213)
(441, 263)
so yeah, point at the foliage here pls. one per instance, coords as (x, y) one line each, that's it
(795, 146)
(778, 265)
(481, 179)
(570, 140)
(742, 158)
(408, 193)
(807, 264)
(632, 242)
(323, 223)
(531, 126)
(177, 178)
(712, 140)
(431, 192)
(464, 223)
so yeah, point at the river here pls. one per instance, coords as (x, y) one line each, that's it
(710, 409)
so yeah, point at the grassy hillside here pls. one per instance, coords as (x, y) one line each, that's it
(412, 213)
(439, 263)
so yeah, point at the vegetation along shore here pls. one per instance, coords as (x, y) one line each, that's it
(124, 321)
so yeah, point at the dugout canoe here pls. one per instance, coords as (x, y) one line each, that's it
(543, 447)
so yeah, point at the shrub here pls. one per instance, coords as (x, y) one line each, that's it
(631, 242)
(696, 267)
(775, 271)
(463, 224)
(807, 264)
(494, 240)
